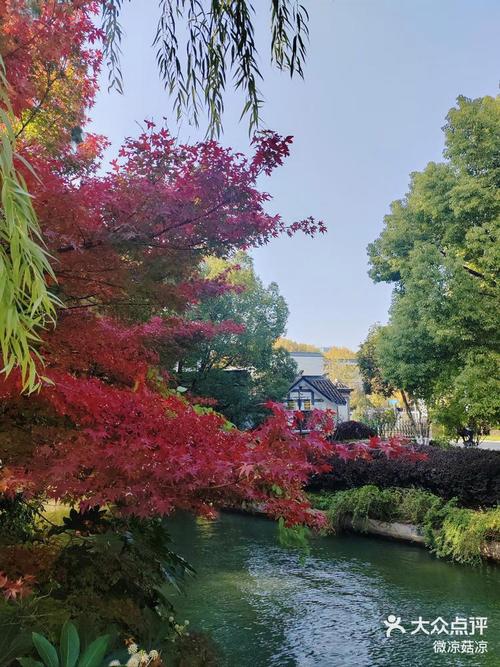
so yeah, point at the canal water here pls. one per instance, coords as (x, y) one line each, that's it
(266, 606)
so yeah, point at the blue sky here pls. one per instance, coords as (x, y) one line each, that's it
(380, 78)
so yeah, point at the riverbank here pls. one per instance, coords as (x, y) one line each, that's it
(415, 516)
(410, 533)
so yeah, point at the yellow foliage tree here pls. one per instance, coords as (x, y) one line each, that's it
(341, 365)
(293, 346)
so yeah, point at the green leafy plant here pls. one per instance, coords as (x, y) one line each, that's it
(294, 537)
(13, 644)
(69, 654)
(115, 577)
(464, 533)
(359, 504)
(26, 305)
(369, 502)
(17, 518)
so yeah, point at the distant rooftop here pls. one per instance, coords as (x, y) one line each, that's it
(306, 354)
(334, 392)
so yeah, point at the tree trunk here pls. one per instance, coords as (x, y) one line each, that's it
(408, 411)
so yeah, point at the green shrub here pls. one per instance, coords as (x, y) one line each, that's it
(370, 502)
(18, 518)
(463, 533)
(416, 505)
(449, 531)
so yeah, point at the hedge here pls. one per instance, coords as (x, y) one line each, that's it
(472, 476)
(353, 430)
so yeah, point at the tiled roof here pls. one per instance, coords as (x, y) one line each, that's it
(341, 386)
(326, 387)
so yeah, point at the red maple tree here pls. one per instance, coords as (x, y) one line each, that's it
(107, 428)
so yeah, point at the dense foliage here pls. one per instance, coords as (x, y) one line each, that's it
(439, 248)
(372, 502)
(472, 476)
(106, 428)
(108, 434)
(241, 370)
(450, 531)
(352, 430)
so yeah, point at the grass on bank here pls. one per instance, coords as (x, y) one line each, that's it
(449, 531)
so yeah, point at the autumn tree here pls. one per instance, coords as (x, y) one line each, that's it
(45, 85)
(292, 346)
(127, 246)
(48, 83)
(341, 364)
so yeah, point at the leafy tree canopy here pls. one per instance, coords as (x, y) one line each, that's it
(369, 364)
(241, 370)
(440, 248)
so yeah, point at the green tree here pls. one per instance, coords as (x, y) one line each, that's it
(241, 371)
(440, 248)
(374, 381)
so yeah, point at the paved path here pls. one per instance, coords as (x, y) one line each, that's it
(490, 444)
(486, 444)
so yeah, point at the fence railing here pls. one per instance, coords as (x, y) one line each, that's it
(421, 431)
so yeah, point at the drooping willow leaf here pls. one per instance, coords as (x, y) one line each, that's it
(201, 43)
(26, 305)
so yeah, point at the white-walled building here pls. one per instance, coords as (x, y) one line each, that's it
(312, 390)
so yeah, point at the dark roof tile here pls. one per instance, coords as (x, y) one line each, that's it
(325, 387)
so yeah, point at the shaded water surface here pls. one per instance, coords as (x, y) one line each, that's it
(265, 606)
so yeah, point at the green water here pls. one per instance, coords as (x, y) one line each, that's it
(265, 606)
